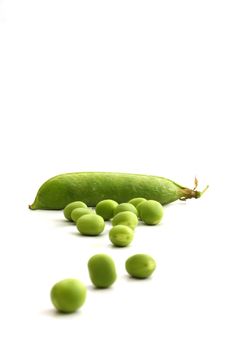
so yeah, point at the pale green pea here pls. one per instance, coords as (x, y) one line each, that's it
(70, 207)
(102, 270)
(136, 201)
(78, 212)
(106, 208)
(151, 212)
(90, 224)
(121, 235)
(68, 295)
(140, 265)
(126, 218)
(125, 207)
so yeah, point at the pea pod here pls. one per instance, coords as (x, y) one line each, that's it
(93, 187)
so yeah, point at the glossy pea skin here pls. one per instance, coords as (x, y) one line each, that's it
(70, 207)
(136, 201)
(106, 208)
(126, 218)
(150, 212)
(90, 224)
(125, 207)
(68, 295)
(140, 265)
(102, 270)
(121, 235)
(78, 212)
(92, 187)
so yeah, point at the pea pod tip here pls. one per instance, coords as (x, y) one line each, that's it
(192, 193)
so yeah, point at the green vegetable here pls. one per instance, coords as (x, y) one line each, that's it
(78, 212)
(92, 187)
(106, 208)
(121, 235)
(126, 218)
(140, 265)
(90, 224)
(125, 207)
(70, 207)
(150, 212)
(136, 201)
(68, 295)
(102, 270)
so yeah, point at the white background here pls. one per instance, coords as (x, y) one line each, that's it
(131, 86)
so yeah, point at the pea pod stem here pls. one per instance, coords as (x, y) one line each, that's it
(188, 193)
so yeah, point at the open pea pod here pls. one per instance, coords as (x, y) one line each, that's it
(92, 187)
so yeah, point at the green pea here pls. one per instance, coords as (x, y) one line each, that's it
(121, 235)
(151, 212)
(90, 224)
(106, 208)
(68, 295)
(102, 270)
(136, 201)
(140, 265)
(126, 218)
(70, 207)
(125, 207)
(78, 212)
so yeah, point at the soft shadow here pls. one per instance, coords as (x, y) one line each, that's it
(74, 233)
(78, 234)
(56, 314)
(140, 223)
(156, 226)
(112, 246)
(180, 202)
(63, 222)
(134, 280)
(94, 289)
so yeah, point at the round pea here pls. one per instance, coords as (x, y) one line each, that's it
(68, 295)
(126, 218)
(121, 235)
(106, 208)
(78, 212)
(136, 201)
(102, 270)
(125, 207)
(140, 265)
(151, 212)
(70, 207)
(90, 224)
